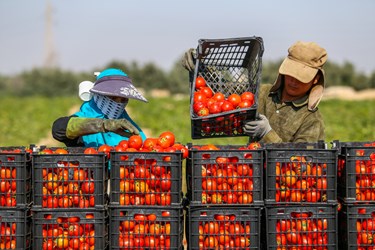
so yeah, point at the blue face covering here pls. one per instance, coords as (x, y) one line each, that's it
(90, 110)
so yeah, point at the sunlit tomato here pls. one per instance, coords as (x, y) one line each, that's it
(88, 187)
(163, 199)
(245, 104)
(150, 143)
(166, 139)
(245, 198)
(135, 141)
(199, 82)
(209, 185)
(247, 96)
(235, 99)
(312, 195)
(227, 106)
(198, 105)
(165, 182)
(203, 112)
(219, 97)
(207, 91)
(199, 97)
(105, 149)
(214, 108)
(242, 241)
(61, 151)
(90, 151)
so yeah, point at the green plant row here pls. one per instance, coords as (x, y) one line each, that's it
(25, 121)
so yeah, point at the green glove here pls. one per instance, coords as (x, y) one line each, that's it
(257, 128)
(188, 60)
(78, 126)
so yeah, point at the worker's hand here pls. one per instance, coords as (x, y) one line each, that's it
(119, 126)
(257, 128)
(189, 58)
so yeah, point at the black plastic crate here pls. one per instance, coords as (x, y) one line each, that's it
(146, 178)
(224, 227)
(356, 172)
(231, 175)
(146, 228)
(73, 180)
(15, 177)
(301, 227)
(61, 229)
(228, 66)
(15, 229)
(300, 173)
(356, 226)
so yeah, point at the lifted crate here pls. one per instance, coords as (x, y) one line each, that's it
(356, 172)
(146, 178)
(217, 227)
(149, 228)
(228, 66)
(300, 173)
(73, 180)
(297, 227)
(15, 229)
(15, 176)
(60, 229)
(231, 175)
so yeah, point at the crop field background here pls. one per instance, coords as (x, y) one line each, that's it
(25, 121)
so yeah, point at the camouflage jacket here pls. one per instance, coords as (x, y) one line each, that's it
(291, 121)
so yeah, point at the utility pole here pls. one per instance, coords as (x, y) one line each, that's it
(50, 55)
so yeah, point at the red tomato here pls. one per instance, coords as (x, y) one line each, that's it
(88, 187)
(235, 99)
(207, 91)
(247, 96)
(199, 97)
(105, 149)
(214, 108)
(227, 106)
(219, 97)
(166, 139)
(90, 150)
(198, 105)
(199, 82)
(150, 143)
(245, 104)
(135, 141)
(203, 112)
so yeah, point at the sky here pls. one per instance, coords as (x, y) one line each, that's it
(87, 34)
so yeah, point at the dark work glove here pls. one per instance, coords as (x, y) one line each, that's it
(78, 126)
(257, 128)
(189, 58)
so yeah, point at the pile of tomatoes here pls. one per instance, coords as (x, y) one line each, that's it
(8, 235)
(224, 232)
(300, 181)
(206, 102)
(66, 184)
(302, 232)
(364, 165)
(145, 230)
(69, 232)
(8, 177)
(226, 179)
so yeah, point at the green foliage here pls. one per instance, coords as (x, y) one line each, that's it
(56, 82)
(26, 121)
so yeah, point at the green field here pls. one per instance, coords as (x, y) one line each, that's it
(25, 121)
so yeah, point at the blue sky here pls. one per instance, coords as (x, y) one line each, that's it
(90, 33)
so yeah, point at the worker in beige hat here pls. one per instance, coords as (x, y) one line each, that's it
(288, 109)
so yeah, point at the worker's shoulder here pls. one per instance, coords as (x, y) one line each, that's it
(265, 87)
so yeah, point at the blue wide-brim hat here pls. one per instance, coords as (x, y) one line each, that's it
(116, 83)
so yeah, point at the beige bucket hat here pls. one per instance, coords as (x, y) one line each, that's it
(303, 62)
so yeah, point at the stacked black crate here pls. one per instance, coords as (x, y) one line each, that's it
(146, 200)
(300, 196)
(225, 191)
(70, 199)
(15, 198)
(356, 192)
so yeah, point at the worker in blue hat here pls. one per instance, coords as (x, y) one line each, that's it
(102, 118)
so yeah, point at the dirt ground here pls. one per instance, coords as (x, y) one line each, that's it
(339, 92)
